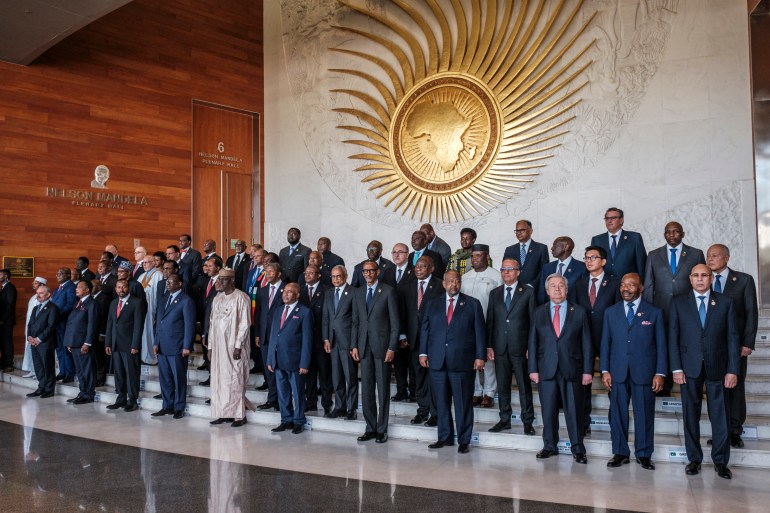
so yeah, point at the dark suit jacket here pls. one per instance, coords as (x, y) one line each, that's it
(175, 325)
(660, 286)
(8, 297)
(639, 350)
(291, 346)
(124, 333)
(83, 325)
(87, 274)
(263, 316)
(194, 263)
(337, 327)
(457, 345)
(439, 266)
(440, 246)
(630, 255)
(203, 306)
(43, 325)
(378, 328)
(574, 271)
(137, 272)
(357, 279)
(389, 276)
(570, 353)
(508, 330)
(65, 300)
(108, 285)
(607, 294)
(103, 300)
(316, 306)
(292, 266)
(241, 270)
(537, 257)
(716, 345)
(741, 289)
(325, 279)
(411, 317)
(331, 260)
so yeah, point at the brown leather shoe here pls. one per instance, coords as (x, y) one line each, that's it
(486, 402)
(477, 400)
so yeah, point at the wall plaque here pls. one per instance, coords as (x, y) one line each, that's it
(20, 267)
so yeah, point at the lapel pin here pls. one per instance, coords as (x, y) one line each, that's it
(521, 289)
(625, 237)
(713, 303)
(460, 304)
(735, 279)
(604, 283)
(571, 308)
(639, 314)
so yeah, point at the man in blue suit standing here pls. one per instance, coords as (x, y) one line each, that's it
(291, 344)
(268, 302)
(453, 346)
(625, 249)
(633, 364)
(174, 337)
(64, 298)
(81, 334)
(530, 255)
(704, 349)
(564, 265)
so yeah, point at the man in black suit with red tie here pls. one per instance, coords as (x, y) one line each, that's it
(125, 323)
(41, 335)
(530, 255)
(313, 295)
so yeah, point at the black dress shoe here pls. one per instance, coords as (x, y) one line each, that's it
(68, 380)
(178, 414)
(282, 427)
(265, 406)
(330, 415)
(297, 429)
(82, 400)
(262, 387)
(618, 460)
(399, 397)
(131, 407)
(220, 420)
(381, 438)
(463, 449)
(100, 383)
(580, 458)
(159, 396)
(162, 412)
(73, 399)
(662, 394)
(208, 401)
(352, 415)
(239, 422)
(59, 377)
(367, 436)
(310, 407)
(722, 471)
(646, 463)
(46, 395)
(205, 383)
(529, 430)
(736, 441)
(500, 426)
(418, 419)
(438, 444)
(692, 468)
(116, 406)
(203, 366)
(432, 422)
(545, 453)
(586, 431)
(35, 393)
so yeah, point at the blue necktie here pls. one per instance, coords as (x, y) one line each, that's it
(508, 298)
(336, 300)
(630, 315)
(702, 311)
(369, 297)
(522, 254)
(398, 278)
(614, 246)
(561, 269)
(673, 261)
(417, 255)
(718, 284)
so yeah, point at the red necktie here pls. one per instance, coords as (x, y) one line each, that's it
(77, 306)
(592, 292)
(556, 320)
(120, 306)
(211, 284)
(420, 292)
(285, 313)
(450, 311)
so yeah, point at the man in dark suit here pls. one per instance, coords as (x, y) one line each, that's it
(41, 335)
(564, 264)
(395, 274)
(184, 269)
(625, 249)
(595, 292)
(704, 349)
(313, 295)
(453, 347)
(289, 357)
(420, 247)
(373, 254)
(634, 358)
(137, 270)
(331, 260)
(80, 339)
(135, 288)
(740, 288)
(509, 317)
(101, 360)
(324, 273)
(253, 279)
(81, 264)
(667, 274)
(239, 262)
(337, 328)
(189, 257)
(436, 244)
(8, 297)
(207, 291)
(268, 302)
(64, 299)
(116, 258)
(530, 255)
(414, 296)
(174, 337)
(294, 257)
(374, 343)
(106, 278)
(125, 323)
(561, 364)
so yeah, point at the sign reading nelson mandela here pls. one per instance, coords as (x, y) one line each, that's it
(102, 197)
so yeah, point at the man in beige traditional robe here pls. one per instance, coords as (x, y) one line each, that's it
(228, 340)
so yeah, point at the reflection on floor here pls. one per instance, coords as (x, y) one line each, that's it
(133, 462)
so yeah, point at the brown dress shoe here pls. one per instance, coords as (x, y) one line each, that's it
(486, 402)
(477, 400)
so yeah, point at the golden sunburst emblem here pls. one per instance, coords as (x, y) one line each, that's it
(460, 130)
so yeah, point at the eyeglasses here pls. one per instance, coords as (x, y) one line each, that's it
(611, 218)
(591, 258)
(398, 252)
(369, 271)
(700, 275)
(520, 230)
(503, 269)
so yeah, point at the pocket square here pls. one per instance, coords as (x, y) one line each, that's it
(646, 323)
(295, 317)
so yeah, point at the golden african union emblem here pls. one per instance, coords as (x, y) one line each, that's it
(457, 131)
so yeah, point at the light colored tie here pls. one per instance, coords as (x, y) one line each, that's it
(272, 296)
(420, 292)
(398, 276)
(522, 254)
(702, 311)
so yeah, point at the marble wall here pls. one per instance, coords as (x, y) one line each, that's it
(663, 132)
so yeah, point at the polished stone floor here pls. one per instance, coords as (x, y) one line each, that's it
(60, 457)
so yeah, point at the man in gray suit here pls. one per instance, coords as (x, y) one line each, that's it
(667, 274)
(374, 343)
(337, 325)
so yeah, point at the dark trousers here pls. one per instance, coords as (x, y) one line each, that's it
(66, 364)
(101, 360)
(6, 345)
(320, 372)
(448, 388)
(45, 366)
(571, 394)
(126, 367)
(506, 367)
(172, 371)
(405, 378)
(291, 396)
(272, 393)
(643, 400)
(375, 378)
(692, 404)
(426, 402)
(736, 400)
(85, 371)
(256, 354)
(345, 380)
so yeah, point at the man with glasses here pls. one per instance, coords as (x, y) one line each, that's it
(373, 254)
(530, 255)
(625, 249)
(394, 275)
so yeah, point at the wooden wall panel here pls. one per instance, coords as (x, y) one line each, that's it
(118, 92)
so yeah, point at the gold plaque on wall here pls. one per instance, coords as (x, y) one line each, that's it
(458, 130)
